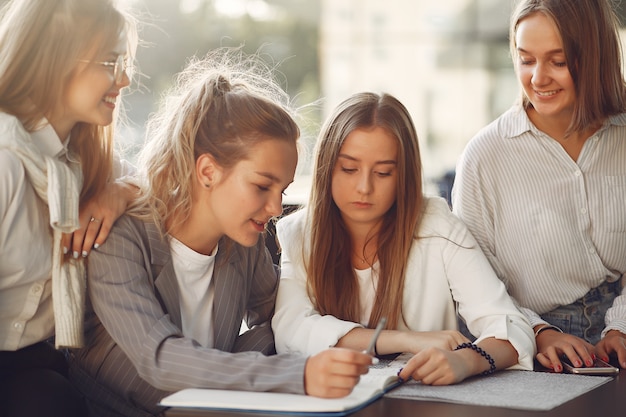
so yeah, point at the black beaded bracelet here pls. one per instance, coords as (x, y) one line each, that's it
(478, 349)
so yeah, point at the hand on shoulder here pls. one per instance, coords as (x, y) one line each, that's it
(97, 217)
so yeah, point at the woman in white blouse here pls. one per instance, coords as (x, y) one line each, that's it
(62, 67)
(543, 188)
(371, 245)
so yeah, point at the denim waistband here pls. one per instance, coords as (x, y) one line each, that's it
(584, 318)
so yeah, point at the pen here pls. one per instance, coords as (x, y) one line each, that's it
(372, 346)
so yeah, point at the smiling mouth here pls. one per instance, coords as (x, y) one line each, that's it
(109, 99)
(546, 93)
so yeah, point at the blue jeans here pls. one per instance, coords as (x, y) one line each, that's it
(584, 318)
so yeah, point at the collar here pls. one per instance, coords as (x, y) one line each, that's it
(48, 142)
(519, 122)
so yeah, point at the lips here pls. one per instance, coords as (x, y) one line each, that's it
(260, 226)
(546, 93)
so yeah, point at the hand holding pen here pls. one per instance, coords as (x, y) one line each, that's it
(371, 349)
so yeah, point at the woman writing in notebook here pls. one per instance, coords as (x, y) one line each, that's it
(178, 276)
(370, 245)
(562, 258)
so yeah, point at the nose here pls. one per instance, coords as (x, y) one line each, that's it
(125, 81)
(364, 183)
(275, 205)
(540, 75)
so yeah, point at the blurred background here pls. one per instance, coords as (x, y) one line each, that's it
(448, 61)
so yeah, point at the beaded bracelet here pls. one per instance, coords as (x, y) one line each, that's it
(478, 349)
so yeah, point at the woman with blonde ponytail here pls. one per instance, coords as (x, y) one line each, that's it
(180, 273)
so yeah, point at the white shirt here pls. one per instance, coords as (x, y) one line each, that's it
(194, 273)
(26, 314)
(552, 228)
(445, 267)
(368, 282)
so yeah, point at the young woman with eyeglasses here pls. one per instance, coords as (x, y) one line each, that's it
(62, 66)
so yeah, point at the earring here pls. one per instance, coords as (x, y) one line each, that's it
(207, 185)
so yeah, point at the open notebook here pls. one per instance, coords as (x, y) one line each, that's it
(380, 379)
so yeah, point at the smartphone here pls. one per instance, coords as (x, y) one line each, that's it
(599, 368)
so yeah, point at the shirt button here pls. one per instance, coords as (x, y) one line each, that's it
(592, 251)
(36, 289)
(17, 325)
(577, 173)
(583, 210)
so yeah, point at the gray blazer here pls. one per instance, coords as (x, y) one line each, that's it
(135, 349)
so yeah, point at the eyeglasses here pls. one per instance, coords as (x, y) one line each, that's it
(119, 66)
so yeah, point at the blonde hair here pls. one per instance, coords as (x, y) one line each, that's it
(41, 42)
(221, 105)
(589, 32)
(333, 284)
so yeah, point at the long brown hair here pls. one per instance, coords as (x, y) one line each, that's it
(332, 281)
(589, 32)
(41, 42)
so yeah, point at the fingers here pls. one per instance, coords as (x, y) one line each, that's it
(621, 357)
(550, 360)
(92, 232)
(552, 346)
(613, 342)
(97, 232)
(66, 241)
(435, 366)
(98, 215)
(546, 362)
(603, 350)
(333, 373)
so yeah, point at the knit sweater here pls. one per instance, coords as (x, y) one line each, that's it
(58, 186)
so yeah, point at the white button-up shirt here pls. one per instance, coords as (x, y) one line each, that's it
(552, 228)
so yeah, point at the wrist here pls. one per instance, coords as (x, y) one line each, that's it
(130, 191)
(543, 327)
(482, 369)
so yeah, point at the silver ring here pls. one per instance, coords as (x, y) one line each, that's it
(93, 219)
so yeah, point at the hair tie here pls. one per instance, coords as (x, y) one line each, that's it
(221, 86)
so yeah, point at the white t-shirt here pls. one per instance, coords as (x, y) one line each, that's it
(194, 273)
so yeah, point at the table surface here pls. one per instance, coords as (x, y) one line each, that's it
(608, 400)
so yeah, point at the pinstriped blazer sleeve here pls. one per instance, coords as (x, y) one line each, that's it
(124, 295)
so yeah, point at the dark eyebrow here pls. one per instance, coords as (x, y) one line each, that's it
(551, 52)
(383, 162)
